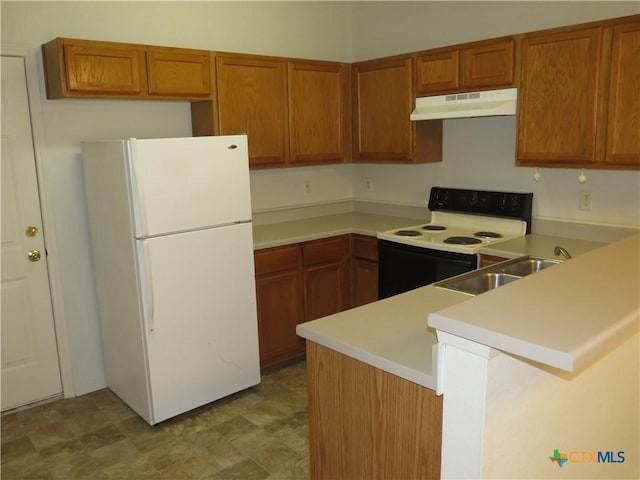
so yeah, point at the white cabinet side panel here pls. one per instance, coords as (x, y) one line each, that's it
(114, 259)
(204, 343)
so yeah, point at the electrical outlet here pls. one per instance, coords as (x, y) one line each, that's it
(368, 184)
(585, 200)
(307, 187)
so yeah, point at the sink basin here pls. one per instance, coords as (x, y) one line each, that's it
(494, 276)
(480, 283)
(527, 266)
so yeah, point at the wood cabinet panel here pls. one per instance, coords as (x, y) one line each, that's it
(558, 97)
(623, 121)
(179, 72)
(94, 69)
(491, 64)
(252, 99)
(326, 288)
(383, 103)
(365, 423)
(83, 68)
(319, 129)
(279, 304)
(486, 260)
(438, 72)
(383, 99)
(364, 270)
(472, 66)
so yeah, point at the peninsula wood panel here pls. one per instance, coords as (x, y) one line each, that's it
(319, 102)
(252, 99)
(368, 424)
(623, 133)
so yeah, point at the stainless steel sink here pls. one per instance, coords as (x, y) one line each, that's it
(528, 266)
(480, 283)
(494, 276)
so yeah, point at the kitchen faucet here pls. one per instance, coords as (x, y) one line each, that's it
(561, 251)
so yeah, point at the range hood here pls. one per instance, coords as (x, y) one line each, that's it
(466, 105)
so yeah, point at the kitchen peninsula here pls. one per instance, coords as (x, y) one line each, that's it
(551, 359)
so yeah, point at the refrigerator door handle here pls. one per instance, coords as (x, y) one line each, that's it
(137, 193)
(146, 286)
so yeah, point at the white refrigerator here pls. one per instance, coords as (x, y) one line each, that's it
(170, 223)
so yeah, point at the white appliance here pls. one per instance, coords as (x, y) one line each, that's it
(467, 105)
(172, 244)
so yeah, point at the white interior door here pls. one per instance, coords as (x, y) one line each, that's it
(30, 367)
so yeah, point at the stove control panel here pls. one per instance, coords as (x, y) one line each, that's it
(483, 202)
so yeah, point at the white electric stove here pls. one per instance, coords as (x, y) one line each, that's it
(461, 223)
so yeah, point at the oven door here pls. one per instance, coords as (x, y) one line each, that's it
(404, 267)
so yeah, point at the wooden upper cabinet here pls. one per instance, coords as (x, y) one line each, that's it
(579, 96)
(179, 72)
(478, 65)
(319, 129)
(438, 71)
(623, 121)
(94, 69)
(489, 64)
(252, 99)
(84, 68)
(558, 97)
(383, 98)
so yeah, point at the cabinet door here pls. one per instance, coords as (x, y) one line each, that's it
(97, 68)
(383, 102)
(179, 73)
(438, 72)
(488, 65)
(252, 99)
(325, 277)
(279, 304)
(364, 270)
(319, 129)
(559, 93)
(623, 133)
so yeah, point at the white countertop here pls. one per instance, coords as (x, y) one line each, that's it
(313, 228)
(540, 246)
(565, 316)
(389, 334)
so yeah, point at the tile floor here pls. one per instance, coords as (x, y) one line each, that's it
(260, 433)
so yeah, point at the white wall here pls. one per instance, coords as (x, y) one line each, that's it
(481, 153)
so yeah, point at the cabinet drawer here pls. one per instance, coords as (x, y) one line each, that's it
(326, 250)
(365, 247)
(276, 259)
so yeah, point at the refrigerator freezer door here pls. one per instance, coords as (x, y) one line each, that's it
(182, 184)
(202, 341)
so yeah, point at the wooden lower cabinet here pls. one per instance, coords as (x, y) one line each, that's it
(364, 270)
(368, 424)
(279, 304)
(326, 276)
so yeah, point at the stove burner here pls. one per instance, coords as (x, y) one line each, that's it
(434, 228)
(408, 233)
(488, 235)
(462, 240)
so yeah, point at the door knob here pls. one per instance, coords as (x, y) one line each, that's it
(31, 231)
(34, 255)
